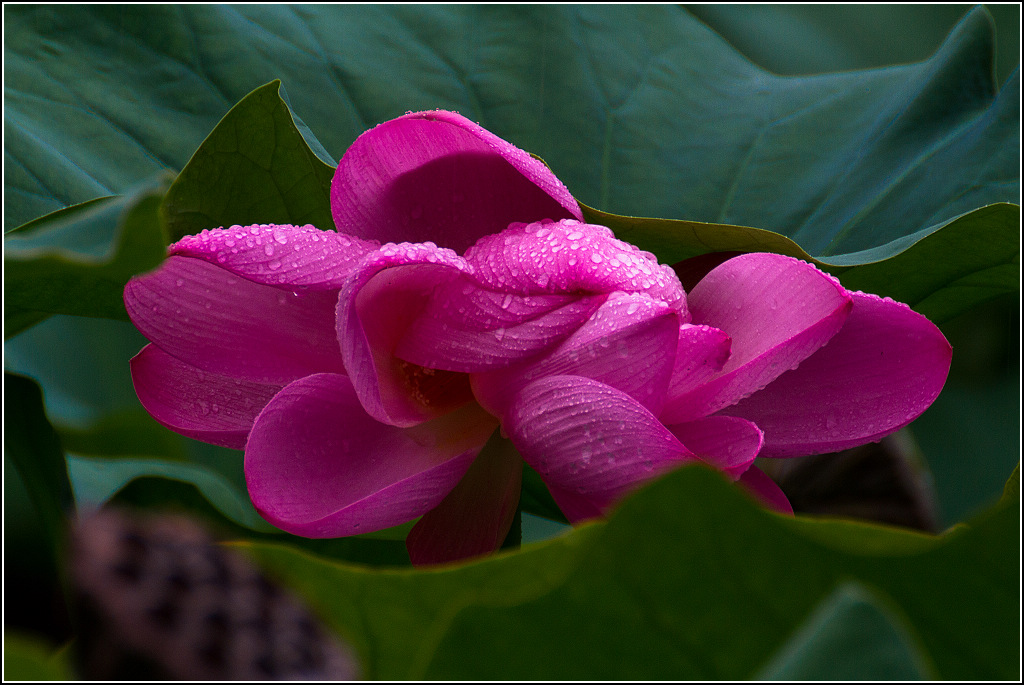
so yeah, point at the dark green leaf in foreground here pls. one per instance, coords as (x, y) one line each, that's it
(35, 451)
(850, 636)
(77, 260)
(687, 580)
(254, 168)
(26, 658)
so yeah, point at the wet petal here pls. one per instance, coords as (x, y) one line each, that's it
(202, 405)
(438, 176)
(880, 372)
(291, 257)
(317, 465)
(463, 327)
(569, 257)
(777, 310)
(701, 352)
(477, 514)
(381, 299)
(728, 443)
(590, 440)
(219, 322)
(629, 344)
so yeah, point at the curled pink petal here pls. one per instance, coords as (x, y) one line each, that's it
(226, 324)
(469, 329)
(438, 176)
(317, 465)
(701, 352)
(590, 440)
(777, 310)
(202, 405)
(765, 491)
(525, 290)
(477, 514)
(728, 443)
(375, 308)
(880, 372)
(629, 344)
(569, 257)
(292, 257)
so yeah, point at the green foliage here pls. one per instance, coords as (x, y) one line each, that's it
(254, 168)
(897, 180)
(26, 658)
(940, 271)
(640, 111)
(687, 580)
(850, 636)
(35, 451)
(77, 260)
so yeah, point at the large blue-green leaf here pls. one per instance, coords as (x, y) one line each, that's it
(77, 260)
(97, 479)
(640, 110)
(810, 39)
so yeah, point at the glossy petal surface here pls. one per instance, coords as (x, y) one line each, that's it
(728, 443)
(777, 310)
(629, 344)
(438, 176)
(884, 368)
(570, 257)
(317, 465)
(476, 516)
(223, 323)
(701, 352)
(292, 257)
(202, 405)
(470, 329)
(375, 308)
(590, 440)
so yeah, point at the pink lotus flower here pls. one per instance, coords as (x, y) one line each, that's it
(364, 380)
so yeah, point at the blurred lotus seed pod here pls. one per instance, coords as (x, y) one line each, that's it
(159, 599)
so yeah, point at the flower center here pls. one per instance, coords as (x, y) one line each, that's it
(434, 388)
